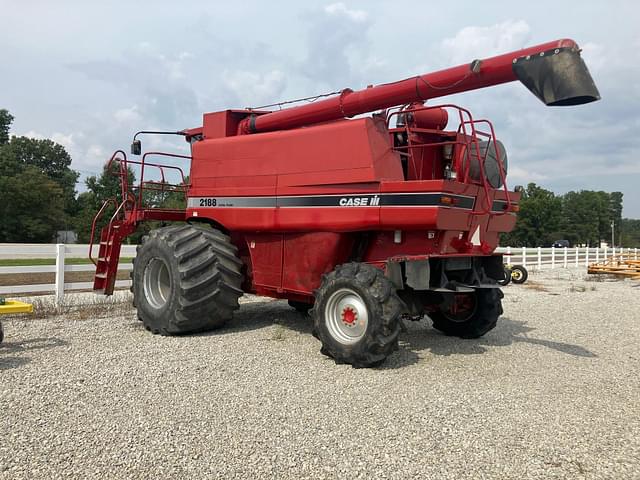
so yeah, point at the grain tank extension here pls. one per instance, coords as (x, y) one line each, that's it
(360, 222)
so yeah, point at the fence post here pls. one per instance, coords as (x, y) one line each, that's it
(597, 254)
(539, 258)
(524, 256)
(586, 258)
(553, 258)
(59, 292)
(636, 253)
(565, 256)
(605, 254)
(577, 255)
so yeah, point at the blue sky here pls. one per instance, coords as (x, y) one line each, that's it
(89, 74)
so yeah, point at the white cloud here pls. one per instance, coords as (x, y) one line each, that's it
(128, 115)
(520, 175)
(341, 9)
(253, 87)
(65, 140)
(481, 42)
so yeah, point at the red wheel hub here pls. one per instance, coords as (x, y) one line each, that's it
(349, 316)
(462, 304)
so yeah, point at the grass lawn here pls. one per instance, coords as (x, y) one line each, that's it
(21, 262)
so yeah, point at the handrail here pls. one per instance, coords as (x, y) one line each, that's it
(501, 171)
(93, 225)
(161, 167)
(470, 141)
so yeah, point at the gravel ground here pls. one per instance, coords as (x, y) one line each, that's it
(551, 393)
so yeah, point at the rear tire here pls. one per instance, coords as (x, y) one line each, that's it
(519, 274)
(483, 317)
(186, 279)
(1, 333)
(356, 315)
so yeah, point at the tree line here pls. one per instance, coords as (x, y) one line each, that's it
(38, 194)
(583, 218)
(38, 197)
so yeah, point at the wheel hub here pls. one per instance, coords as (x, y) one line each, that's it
(346, 316)
(349, 316)
(157, 282)
(461, 308)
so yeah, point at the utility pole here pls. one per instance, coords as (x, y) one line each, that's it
(613, 234)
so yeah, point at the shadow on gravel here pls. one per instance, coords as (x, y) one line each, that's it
(44, 343)
(257, 315)
(421, 338)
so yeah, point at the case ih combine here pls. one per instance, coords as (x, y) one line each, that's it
(362, 221)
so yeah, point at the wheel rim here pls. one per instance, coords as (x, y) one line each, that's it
(157, 283)
(462, 308)
(346, 316)
(516, 275)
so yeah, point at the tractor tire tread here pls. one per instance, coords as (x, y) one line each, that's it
(209, 280)
(489, 309)
(379, 344)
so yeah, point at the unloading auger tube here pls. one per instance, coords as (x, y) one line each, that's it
(553, 71)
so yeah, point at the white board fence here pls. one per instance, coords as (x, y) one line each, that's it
(533, 258)
(60, 252)
(539, 258)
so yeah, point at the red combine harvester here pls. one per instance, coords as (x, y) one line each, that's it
(362, 221)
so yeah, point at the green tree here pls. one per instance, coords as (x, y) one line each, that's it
(49, 158)
(6, 119)
(17, 154)
(616, 213)
(31, 207)
(586, 217)
(538, 219)
(630, 232)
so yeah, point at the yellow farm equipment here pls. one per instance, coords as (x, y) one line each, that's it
(623, 265)
(12, 306)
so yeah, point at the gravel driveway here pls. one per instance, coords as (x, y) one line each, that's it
(553, 392)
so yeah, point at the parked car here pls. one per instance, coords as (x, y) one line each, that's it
(561, 244)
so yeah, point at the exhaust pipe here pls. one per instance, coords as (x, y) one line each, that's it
(558, 77)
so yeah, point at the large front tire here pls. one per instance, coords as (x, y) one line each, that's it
(484, 307)
(186, 279)
(356, 315)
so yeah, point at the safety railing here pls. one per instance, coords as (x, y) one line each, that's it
(472, 150)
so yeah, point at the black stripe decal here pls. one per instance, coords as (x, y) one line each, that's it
(352, 200)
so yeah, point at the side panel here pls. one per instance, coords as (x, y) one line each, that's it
(265, 251)
(277, 264)
(308, 256)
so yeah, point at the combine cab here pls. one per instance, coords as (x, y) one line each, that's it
(360, 221)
